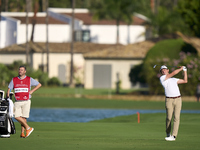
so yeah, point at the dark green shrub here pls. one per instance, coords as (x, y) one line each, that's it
(135, 75)
(43, 78)
(10, 71)
(4, 78)
(54, 82)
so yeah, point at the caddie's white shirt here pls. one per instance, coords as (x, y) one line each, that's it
(170, 85)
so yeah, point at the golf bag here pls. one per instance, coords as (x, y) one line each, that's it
(7, 125)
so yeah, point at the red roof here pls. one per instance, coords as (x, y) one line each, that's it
(40, 20)
(88, 20)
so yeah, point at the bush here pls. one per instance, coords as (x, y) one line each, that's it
(135, 75)
(4, 78)
(54, 82)
(10, 71)
(42, 77)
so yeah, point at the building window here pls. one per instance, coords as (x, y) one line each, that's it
(82, 35)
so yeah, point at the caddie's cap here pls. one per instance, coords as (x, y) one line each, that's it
(163, 67)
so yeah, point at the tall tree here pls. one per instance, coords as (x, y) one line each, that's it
(43, 3)
(120, 10)
(47, 35)
(6, 5)
(190, 12)
(34, 20)
(27, 22)
(72, 46)
(0, 23)
(165, 22)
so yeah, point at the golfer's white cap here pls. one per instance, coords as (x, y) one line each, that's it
(163, 67)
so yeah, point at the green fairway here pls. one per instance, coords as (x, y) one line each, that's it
(121, 133)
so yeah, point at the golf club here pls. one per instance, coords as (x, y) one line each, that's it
(167, 66)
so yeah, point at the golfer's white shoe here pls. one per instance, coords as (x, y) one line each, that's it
(170, 138)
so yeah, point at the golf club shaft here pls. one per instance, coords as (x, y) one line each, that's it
(167, 66)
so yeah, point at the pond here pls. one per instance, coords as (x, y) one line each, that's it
(85, 115)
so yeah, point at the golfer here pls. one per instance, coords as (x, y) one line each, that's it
(173, 101)
(22, 89)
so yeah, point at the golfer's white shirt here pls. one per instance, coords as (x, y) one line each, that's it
(170, 85)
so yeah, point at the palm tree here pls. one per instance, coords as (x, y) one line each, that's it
(72, 46)
(164, 22)
(27, 20)
(34, 20)
(0, 23)
(47, 35)
(6, 5)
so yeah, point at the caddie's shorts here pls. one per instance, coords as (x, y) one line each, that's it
(22, 108)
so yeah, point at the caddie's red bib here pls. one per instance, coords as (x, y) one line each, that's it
(21, 88)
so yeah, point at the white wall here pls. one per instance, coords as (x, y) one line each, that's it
(132, 34)
(106, 34)
(118, 66)
(10, 58)
(8, 31)
(2, 33)
(11, 31)
(56, 59)
(57, 33)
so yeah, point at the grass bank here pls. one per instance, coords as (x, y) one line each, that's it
(71, 102)
(78, 90)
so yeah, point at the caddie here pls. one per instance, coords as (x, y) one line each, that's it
(22, 91)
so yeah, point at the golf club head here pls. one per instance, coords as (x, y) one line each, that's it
(154, 66)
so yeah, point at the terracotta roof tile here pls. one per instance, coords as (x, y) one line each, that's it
(85, 17)
(89, 50)
(39, 20)
(138, 50)
(79, 47)
(88, 20)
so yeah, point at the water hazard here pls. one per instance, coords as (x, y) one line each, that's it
(85, 115)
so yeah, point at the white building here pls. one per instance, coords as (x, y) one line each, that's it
(13, 28)
(90, 35)
(103, 69)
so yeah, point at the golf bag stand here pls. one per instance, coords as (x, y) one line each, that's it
(7, 125)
